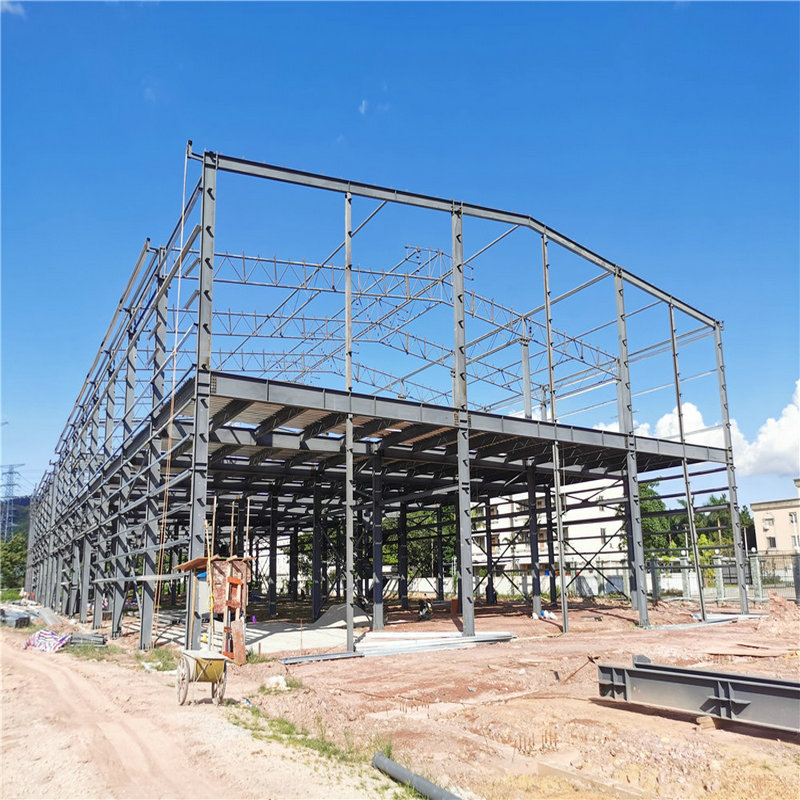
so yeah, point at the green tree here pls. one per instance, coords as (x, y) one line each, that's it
(13, 554)
(421, 540)
(656, 531)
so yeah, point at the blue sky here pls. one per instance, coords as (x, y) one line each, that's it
(664, 136)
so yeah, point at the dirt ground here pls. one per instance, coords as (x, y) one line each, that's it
(520, 719)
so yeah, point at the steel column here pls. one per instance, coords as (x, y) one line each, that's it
(684, 465)
(86, 576)
(740, 550)
(555, 449)
(152, 561)
(460, 403)
(202, 391)
(104, 531)
(293, 555)
(377, 545)
(439, 556)
(402, 556)
(491, 595)
(533, 537)
(120, 541)
(316, 555)
(349, 500)
(625, 410)
(272, 594)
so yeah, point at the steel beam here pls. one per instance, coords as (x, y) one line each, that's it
(350, 188)
(750, 699)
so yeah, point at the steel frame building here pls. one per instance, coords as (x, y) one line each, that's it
(174, 447)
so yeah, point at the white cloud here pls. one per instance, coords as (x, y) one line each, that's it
(383, 107)
(639, 428)
(149, 94)
(775, 450)
(15, 9)
(362, 108)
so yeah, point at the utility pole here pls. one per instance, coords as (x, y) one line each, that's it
(8, 492)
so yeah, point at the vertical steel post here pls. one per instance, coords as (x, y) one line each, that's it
(325, 561)
(533, 538)
(272, 594)
(740, 551)
(86, 576)
(556, 449)
(202, 393)
(681, 432)
(462, 418)
(293, 556)
(93, 504)
(439, 556)
(60, 596)
(377, 544)
(533, 530)
(316, 555)
(50, 599)
(120, 542)
(154, 483)
(491, 596)
(402, 556)
(526, 379)
(349, 500)
(625, 408)
(75, 572)
(105, 530)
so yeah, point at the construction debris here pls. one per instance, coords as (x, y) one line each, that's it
(385, 643)
(47, 641)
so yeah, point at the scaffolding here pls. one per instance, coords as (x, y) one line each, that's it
(341, 397)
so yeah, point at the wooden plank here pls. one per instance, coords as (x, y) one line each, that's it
(239, 650)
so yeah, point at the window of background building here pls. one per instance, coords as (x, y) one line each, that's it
(771, 542)
(793, 517)
(603, 535)
(768, 523)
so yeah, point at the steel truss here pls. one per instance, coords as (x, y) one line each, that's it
(264, 424)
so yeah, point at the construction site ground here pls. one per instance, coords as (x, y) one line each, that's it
(520, 719)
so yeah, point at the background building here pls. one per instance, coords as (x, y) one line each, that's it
(776, 523)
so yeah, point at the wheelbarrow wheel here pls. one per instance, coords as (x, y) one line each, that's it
(182, 680)
(218, 688)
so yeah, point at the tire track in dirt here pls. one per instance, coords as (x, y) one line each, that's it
(135, 757)
(74, 728)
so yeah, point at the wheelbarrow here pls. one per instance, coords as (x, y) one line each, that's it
(202, 666)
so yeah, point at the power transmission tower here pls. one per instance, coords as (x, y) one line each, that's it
(8, 492)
